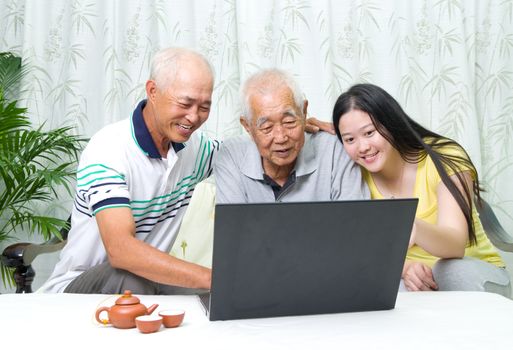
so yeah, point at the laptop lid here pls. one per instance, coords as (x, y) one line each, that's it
(281, 259)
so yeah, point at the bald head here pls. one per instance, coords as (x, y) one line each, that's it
(168, 62)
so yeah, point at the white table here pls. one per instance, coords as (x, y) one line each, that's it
(427, 320)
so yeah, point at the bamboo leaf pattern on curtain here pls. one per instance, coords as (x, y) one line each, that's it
(449, 62)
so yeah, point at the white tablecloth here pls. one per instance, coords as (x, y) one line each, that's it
(427, 320)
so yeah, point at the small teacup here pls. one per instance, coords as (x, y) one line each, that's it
(172, 318)
(148, 323)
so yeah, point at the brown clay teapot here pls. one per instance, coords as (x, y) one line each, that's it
(123, 314)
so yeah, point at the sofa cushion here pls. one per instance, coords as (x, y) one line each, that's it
(195, 239)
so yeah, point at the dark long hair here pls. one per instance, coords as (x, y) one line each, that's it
(413, 142)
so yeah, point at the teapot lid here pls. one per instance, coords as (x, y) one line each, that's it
(127, 299)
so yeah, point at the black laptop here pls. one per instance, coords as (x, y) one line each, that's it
(282, 259)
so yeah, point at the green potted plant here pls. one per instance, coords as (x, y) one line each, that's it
(35, 164)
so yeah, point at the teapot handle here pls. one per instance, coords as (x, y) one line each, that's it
(99, 311)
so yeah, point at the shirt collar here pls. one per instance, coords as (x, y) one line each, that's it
(305, 163)
(142, 136)
(277, 189)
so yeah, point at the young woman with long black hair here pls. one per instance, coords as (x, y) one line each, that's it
(448, 249)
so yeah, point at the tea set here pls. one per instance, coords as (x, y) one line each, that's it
(128, 312)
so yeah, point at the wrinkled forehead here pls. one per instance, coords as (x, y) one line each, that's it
(289, 113)
(273, 106)
(190, 85)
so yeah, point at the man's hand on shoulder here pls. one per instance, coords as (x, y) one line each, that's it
(314, 125)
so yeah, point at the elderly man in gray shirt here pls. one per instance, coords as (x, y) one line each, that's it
(278, 162)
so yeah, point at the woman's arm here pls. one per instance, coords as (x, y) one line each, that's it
(449, 236)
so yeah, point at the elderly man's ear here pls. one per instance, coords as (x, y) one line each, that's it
(244, 122)
(151, 90)
(314, 125)
(305, 108)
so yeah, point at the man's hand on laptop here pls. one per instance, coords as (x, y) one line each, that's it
(418, 276)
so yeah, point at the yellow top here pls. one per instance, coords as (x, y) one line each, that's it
(426, 184)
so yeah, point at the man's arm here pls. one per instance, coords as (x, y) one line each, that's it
(124, 251)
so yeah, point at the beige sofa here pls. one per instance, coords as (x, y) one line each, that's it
(195, 238)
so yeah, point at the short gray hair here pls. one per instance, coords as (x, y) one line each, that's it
(166, 63)
(266, 81)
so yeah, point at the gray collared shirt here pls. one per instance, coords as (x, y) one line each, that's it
(323, 171)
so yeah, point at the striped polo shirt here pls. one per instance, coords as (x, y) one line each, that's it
(121, 167)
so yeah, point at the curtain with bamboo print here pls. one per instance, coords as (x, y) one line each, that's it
(449, 62)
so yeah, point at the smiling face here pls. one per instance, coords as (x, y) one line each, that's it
(277, 128)
(363, 143)
(182, 106)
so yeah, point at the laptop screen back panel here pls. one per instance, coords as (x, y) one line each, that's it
(284, 259)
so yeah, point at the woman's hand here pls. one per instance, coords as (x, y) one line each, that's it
(418, 276)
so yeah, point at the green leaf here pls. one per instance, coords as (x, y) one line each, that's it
(11, 71)
(34, 165)
(7, 274)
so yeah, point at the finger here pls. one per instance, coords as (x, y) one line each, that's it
(431, 284)
(328, 127)
(413, 283)
(424, 287)
(410, 287)
(422, 278)
(323, 126)
(428, 278)
(312, 129)
(428, 284)
(420, 283)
